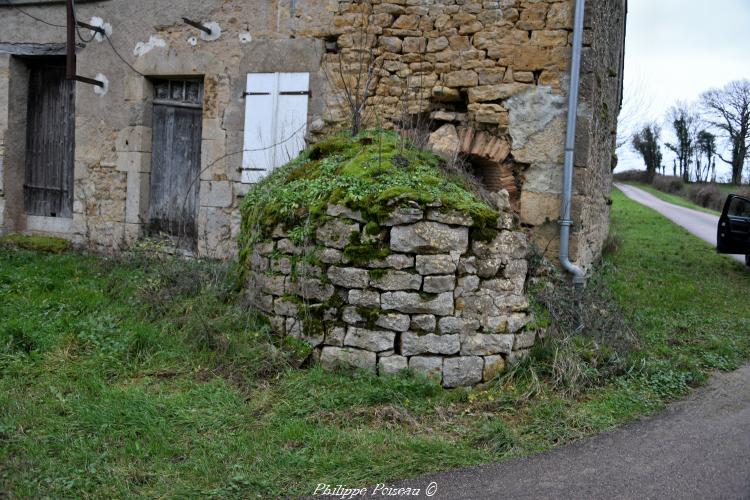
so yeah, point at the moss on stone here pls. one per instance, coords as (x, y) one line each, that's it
(359, 252)
(373, 173)
(484, 234)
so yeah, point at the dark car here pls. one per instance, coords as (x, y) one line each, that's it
(734, 227)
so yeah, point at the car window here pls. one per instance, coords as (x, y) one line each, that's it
(739, 207)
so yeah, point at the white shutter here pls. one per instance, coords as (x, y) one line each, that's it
(275, 121)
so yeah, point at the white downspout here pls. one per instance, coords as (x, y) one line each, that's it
(579, 277)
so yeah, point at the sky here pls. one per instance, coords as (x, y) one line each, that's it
(675, 50)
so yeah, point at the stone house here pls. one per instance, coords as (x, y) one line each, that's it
(196, 100)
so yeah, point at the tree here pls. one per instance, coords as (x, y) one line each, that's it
(684, 123)
(706, 144)
(729, 109)
(646, 143)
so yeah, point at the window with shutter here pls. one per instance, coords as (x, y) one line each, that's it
(275, 121)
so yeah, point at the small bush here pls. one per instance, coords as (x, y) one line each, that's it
(632, 176)
(707, 195)
(46, 244)
(668, 184)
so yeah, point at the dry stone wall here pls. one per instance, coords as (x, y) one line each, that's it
(440, 297)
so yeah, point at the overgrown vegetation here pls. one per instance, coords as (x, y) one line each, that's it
(371, 173)
(143, 377)
(45, 244)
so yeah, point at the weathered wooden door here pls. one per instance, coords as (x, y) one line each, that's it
(176, 159)
(50, 141)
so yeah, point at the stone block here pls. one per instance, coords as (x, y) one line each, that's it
(524, 340)
(483, 344)
(485, 93)
(396, 261)
(216, 194)
(335, 233)
(397, 280)
(345, 212)
(394, 321)
(435, 264)
(333, 358)
(493, 366)
(335, 336)
(423, 322)
(365, 298)
(349, 277)
(462, 78)
(413, 343)
(371, 340)
(311, 289)
(330, 256)
(462, 371)
(415, 303)
(391, 365)
(404, 215)
(430, 366)
(282, 306)
(453, 325)
(451, 217)
(439, 284)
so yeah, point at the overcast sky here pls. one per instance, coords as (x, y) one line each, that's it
(675, 50)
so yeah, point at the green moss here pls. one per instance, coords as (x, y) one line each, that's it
(46, 244)
(372, 173)
(370, 315)
(359, 252)
(485, 234)
(376, 274)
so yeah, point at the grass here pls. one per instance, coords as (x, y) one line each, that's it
(137, 378)
(674, 199)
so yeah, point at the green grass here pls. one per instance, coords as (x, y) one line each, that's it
(131, 377)
(674, 199)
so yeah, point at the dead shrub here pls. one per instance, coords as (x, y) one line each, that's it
(707, 196)
(668, 184)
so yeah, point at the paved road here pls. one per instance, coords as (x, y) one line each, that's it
(697, 448)
(701, 224)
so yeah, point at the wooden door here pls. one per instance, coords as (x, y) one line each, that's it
(176, 159)
(50, 141)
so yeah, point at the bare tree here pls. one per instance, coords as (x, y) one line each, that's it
(685, 124)
(706, 145)
(729, 109)
(646, 143)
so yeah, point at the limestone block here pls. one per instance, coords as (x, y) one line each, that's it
(538, 208)
(524, 340)
(311, 289)
(430, 366)
(461, 78)
(489, 266)
(335, 336)
(371, 340)
(397, 280)
(272, 284)
(435, 264)
(281, 265)
(335, 233)
(345, 212)
(444, 142)
(349, 277)
(462, 371)
(423, 322)
(404, 215)
(393, 321)
(493, 366)
(330, 256)
(517, 321)
(442, 93)
(390, 365)
(429, 237)
(285, 307)
(501, 91)
(216, 194)
(452, 325)
(351, 316)
(439, 284)
(413, 343)
(414, 303)
(365, 298)
(335, 357)
(467, 265)
(483, 344)
(451, 217)
(395, 261)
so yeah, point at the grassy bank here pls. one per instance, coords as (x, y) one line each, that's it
(132, 377)
(675, 199)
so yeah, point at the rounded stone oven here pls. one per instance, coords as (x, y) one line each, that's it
(443, 297)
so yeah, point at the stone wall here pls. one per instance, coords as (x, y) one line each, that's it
(442, 298)
(487, 79)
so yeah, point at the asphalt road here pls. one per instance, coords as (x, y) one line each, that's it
(701, 224)
(697, 448)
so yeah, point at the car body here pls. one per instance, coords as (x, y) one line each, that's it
(733, 235)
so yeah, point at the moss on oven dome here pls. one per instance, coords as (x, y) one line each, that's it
(372, 173)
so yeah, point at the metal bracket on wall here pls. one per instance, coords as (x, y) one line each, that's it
(196, 24)
(308, 93)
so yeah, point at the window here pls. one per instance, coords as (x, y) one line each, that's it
(275, 121)
(739, 207)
